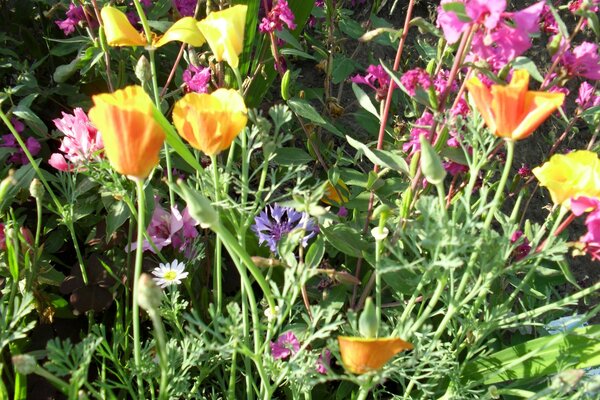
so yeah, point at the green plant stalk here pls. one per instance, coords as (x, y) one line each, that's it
(510, 151)
(365, 389)
(232, 374)
(159, 332)
(135, 307)
(53, 379)
(441, 285)
(218, 264)
(38, 231)
(378, 251)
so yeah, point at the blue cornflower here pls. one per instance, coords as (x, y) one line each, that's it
(276, 221)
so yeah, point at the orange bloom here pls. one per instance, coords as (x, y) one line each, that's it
(361, 355)
(210, 122)
(511, 111)
(132, 137)
(337, 195)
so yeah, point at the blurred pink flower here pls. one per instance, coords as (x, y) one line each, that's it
(279, 15)
(81, 142)
(2, 237)
(454, 168)
(582, 61)
(587, 97)
(324, 362)
(197, 79)
(483, 12)
(422, 126)
(286, 345)
(414, 78)
(376, 78)
(75, 15)
(591, 239)
(185, 8)
(17, 155)
(549, 24)
(523, 249)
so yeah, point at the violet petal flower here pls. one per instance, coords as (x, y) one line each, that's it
(197, 79)
(276, 221)
(286, 345)
(324, 362)
(185, 8)
(279, 16)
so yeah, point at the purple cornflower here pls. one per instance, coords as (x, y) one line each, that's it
(586, 97)
(196, 79)
(376, 78)
(582, 61)
(416, 77)
(276, 221)
(522, 249)
(75, 15)
(286, 345)
(185, 8)
(279, 15)
(324, 362)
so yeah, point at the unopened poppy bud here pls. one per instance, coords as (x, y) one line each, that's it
(367, 323)
(142, 70)
(36, 189)
(149, 295)
(6, 183)
(200, 207)
(24, 364)
(431, 164)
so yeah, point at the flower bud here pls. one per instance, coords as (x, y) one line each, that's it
(24, 364)
(149, 295)
(36, 189)
(200, 207)
(367, 323)
(142, 70)
(431, 164)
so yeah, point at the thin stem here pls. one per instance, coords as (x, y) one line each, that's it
(159, 332)
(137, 353)
(218, 266)
(510, 151)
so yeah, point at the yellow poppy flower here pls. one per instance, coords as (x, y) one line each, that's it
(210, 122)
(570, 175)
(132, 137)
(511, 111)
(361, 355)
(120, 32)
(224, 32)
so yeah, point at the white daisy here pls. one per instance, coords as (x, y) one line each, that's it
(169, 274)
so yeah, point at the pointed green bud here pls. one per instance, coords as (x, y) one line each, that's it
(24, 364)
(142, 70)
(367, 323)
(36, 189)
(200, 207)
(149, 295)
(431, 164)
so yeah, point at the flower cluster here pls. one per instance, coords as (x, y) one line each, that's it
(582, 61)
(376, 78)
(275, 221)
(287, 345)
(279, 16)
(587, 97)
(75, 15)
(17, 156)
(81, 144)
(196, 79)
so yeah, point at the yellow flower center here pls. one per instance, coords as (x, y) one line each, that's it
(170, 275)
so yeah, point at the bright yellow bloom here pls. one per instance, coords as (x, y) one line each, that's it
(570, 175)
(224, 32)
(361, 355)
(336, 196)
(210, 122)
(511, 111)
(120, 32)
(132, 137)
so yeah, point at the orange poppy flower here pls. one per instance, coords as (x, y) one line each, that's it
(361, 355)
(210, 122)
(511, 111)
(337, 195)
(132, 137)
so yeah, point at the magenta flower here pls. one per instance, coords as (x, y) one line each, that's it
(324, 362)
(523, 248)
(2, 237)
(454, 168)
(197, 79)
(483, 12)
(591, 239)
(286, 345)
(422, 126)
(524, 172)
(169, 229)
(582, 61)
(587, 97)
(18, 156)
(75, 15)
(549, 24)
(81, 142)
(279, 15)
(185, 8)
(415, 77)
(376, 78)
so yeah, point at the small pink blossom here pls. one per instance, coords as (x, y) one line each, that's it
(523, 248)
(376, 78)
(18, 156)
(582, 61)
(549, 24)
(454, 168)
(197, 79)
(324, 362)
(416, 77)
(81, 142)
(482, 12)
(279, 16)
(286, 345)
(591, 239)
(75, 15)
(587, 96)
(524, 172)
(2, 237)
(421, 127)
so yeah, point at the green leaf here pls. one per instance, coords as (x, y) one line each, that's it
(364, 100)
(544, 356)
(117, 215)
(458, 9)
(31, 119)
(63, 72)
(303, 109)
(345, 239)
(292, 156)
(297, 53)
(315, 253)
(380, 157)
(342, 68)
(529, 66)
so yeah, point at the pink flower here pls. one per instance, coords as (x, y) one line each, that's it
(2, 237)
(197, 79)
(18, 156)
(169, 229)
(522, 249)
(422, 126)
(587, 97)
(324, 362)
(454, 168)
(286, 345)
(591, 239)
(549, 24)
(414, 78)
(81, 142)
(524, 172)
(483, 12)
(185, 8)
(75, 15)
(376, 78)
(279, 15)
(582, 61)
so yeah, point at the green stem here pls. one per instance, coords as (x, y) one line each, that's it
(53, 379)
(159, 332)
(510, 151)
(218, 266)
(137, 353)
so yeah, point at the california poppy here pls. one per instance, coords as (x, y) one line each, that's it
(224, 32)
(511, 111)
(210, 122)
(361, 355)
(132, 137)
(120, 32)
